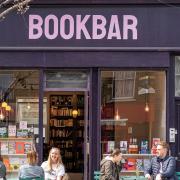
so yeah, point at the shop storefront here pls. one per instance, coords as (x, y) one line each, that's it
(88, 79)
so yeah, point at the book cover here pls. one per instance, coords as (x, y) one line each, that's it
(19, 147)
(14, 163)
(131, 162)
(3, 132)
(155, 141)
(139, 164)
(144, 147)
(27, 147)
(12, 148)
(110, 146)
(123, 146)
(4, 148)
(23, 133)
(6, 163)
(12, 131)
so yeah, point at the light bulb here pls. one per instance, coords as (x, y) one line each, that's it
(74, 113)
(117, 117)
(146, 108)
(8, 108)
(4, 104)
(1, 116)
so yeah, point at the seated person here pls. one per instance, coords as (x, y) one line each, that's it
(31, 170)
(162, 166)
(53, 167)
(111, 166)
(2, 170)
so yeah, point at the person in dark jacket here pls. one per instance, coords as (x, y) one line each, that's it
(111, 166)
(162, 166)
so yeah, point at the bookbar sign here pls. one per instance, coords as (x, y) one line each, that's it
(88, 27)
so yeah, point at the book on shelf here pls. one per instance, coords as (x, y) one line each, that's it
(19, 147)
(139, 164)
(3, 132)
(27, 147)
(155, 141)
(11, 130)
(23, 133)
(12, 147)
(6, 163)
(131, 163)
(124, 146)
(14, 163)
(110, 146)
(144, 147)
(4, 148)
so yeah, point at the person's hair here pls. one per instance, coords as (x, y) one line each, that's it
(163, 144)
(32, 157)
(115, 152)
(49, 161)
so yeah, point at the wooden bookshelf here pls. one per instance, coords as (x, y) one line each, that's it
(67, 131)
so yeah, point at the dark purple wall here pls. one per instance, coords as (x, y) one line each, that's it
(84, 59)
(158, 28)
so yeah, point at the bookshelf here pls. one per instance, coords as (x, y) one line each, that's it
(14, 151)
(67, 130)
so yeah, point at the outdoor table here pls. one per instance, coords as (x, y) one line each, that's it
(133, 178)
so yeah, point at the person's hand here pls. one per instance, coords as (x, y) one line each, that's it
(158, 177)
(148, 176)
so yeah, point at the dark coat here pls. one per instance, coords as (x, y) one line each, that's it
(109, 170)
(168, 168)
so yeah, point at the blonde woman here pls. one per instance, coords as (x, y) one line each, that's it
(53, 167)
(31, 170)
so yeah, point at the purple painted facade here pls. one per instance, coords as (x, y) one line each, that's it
(94, 37)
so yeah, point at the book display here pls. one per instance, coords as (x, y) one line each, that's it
(67, 129)
(13, 151)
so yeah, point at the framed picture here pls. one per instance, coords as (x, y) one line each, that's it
(27, 109)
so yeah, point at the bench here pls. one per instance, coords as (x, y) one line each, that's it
(97, 175)
(178, 175)
(35, 178)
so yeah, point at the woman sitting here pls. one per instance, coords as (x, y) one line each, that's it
(31, 170)
(53, 167)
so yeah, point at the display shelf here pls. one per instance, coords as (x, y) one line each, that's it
(16, 139)
(14, 155)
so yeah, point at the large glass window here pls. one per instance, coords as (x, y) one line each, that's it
(133, 110)
(19, 116)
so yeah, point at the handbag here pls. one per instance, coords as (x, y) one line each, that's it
(66, 177)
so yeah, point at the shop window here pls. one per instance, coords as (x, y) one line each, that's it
(177, 76)
(135, 125)
(19, 117)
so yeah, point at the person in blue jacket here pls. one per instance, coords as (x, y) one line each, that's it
(162, 166)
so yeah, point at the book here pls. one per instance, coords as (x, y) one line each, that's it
(22, 133)
(139, 164)
(110, 145)
(131, 162)
(11, 130)
(144, 147)
(19, 147)
(4, 148)
(27, 147)
(14, 163)
(3, 132)
(12, 148)
(6, 163)
(155, 141)
(123, 146)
